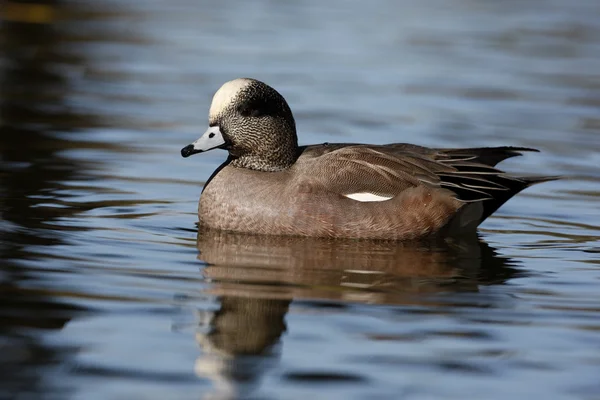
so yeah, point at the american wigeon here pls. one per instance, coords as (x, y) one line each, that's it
(270, 185)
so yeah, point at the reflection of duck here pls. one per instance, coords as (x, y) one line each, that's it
(242, 329)
(256, 277)
(348, 270)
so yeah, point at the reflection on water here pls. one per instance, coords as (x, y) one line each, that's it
(256, 277)
(32, 107)
(105, 281)
(378, 272)
(239, 343)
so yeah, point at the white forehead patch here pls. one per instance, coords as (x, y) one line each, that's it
(225, 96)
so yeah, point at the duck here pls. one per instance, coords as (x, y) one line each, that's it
(269, 185)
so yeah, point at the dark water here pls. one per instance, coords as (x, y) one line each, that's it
(108, 291)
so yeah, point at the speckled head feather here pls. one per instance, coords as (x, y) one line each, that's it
(257, 125)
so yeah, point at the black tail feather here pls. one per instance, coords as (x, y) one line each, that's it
(476, 179)
(515, 185)
(534, 180)
(486, 155)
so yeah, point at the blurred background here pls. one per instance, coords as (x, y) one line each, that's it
(108, 291)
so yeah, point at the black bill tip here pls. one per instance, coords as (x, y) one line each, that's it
(188, 151)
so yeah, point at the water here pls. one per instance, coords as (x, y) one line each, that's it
(108, 291)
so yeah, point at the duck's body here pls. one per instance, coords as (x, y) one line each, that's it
(396, 191)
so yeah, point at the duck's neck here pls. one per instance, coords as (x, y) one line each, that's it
(273, 156)
(272, 162)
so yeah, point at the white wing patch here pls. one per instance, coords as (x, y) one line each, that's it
(367, 197)
(225, 95)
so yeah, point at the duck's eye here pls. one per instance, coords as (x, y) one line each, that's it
(256, 107)
(256, 112)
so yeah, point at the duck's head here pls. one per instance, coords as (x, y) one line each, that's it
(254, 123)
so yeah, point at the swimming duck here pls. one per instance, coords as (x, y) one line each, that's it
(270, 185)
